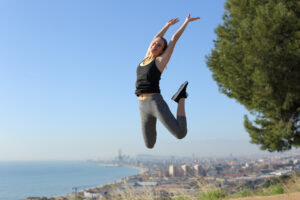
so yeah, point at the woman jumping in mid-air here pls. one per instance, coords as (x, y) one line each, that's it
(151, 103)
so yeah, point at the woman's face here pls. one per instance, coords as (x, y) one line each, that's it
(157, 46)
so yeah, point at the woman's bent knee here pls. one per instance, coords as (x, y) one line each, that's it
(150, 145)
(182, 134)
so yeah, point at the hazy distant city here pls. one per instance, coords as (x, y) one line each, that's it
(171, 175)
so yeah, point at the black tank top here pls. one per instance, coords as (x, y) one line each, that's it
(148, 77)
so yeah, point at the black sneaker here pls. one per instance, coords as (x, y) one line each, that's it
(181, 93)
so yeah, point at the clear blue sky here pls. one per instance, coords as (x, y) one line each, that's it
(67, 80)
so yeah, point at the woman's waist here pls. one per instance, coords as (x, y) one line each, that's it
(147, 91)
(144, 96)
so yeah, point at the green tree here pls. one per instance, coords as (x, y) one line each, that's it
(256, 60)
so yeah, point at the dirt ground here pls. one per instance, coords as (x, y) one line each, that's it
(290, 196)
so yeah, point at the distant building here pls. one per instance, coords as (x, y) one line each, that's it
(186, 171)
(166, 172)
(234, 175)
(212, 173)
(174, 171)
(281, 172)
(147, 184)
(297, 168)
(168, 188)
(178, 171)
(160, 173)
(91, 195)
(199, 171)
(245, 166)
(295, 161)
(265, 171)
(261, 161)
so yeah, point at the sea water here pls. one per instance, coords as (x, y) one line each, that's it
(19, 180)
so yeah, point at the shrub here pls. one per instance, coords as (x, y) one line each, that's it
(276, 189)
(212, 195)
(246, 193)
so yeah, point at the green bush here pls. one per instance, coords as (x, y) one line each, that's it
(261, 192)
(276, 189)
(284, 178)
(246, 193)
(272, 190)
(212, 195)
(182, 198)
(272, 181)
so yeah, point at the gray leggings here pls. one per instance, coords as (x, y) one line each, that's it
(155, 107)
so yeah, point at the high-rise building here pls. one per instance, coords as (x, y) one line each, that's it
(184, 170)
(187, 170)
(199, 171)
(172, 170)
(175, 171)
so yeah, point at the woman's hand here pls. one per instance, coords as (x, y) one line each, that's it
(172, 21)
(189, 19)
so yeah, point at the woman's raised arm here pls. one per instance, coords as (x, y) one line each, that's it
(165, 57)
(162, 32)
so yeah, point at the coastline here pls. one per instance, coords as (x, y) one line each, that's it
(142, 170)
(100, 188)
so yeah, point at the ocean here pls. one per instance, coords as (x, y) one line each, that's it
(19, 180)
